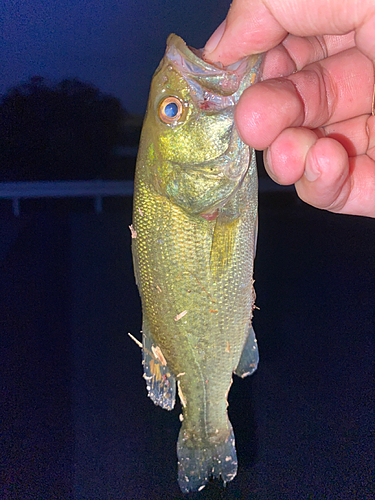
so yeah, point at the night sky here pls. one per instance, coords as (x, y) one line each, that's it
(113, 45)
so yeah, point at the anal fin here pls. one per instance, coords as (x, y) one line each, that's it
(250, 356)
(161, 384)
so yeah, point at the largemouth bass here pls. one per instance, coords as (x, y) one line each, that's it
(194, 235)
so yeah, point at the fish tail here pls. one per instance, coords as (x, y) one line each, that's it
(198, 460)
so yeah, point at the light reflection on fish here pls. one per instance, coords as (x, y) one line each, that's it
(194, 236)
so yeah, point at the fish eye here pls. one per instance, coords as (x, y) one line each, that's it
(170, 109)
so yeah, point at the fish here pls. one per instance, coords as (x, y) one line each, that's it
(194, 235)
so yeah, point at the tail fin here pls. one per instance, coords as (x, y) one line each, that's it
(197, 461)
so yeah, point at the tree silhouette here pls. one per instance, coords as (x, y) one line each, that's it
(66, 131)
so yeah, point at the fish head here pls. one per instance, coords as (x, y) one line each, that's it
(195, 156)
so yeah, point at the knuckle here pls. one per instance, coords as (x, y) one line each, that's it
(318, 93)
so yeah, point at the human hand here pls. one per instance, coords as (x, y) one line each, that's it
(314, 109)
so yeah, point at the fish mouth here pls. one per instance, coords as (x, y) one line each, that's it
(231, 67)
(225, 81)
(220, 87)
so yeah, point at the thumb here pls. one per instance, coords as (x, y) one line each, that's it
(252, 27)
(249, 28)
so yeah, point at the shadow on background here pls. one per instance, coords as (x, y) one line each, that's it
(76, 419)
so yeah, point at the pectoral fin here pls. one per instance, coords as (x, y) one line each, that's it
(161, 384)
(223, 244)
(250, 356)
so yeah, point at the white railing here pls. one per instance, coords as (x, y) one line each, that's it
(17, 191)
(97, 190)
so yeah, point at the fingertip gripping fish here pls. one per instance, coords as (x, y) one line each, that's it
(193, 241)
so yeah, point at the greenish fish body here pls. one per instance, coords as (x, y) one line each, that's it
(194, 236)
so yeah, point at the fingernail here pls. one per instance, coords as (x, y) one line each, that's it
(312, 170)
(214, 40)
(268, 163)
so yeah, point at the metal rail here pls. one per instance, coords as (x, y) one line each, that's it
(17, 191)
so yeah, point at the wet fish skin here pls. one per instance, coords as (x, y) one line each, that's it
(194, 236)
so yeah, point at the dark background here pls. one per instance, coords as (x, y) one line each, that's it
(76, 419)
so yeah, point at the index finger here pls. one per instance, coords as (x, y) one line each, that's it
(294, 53)
(332, 90)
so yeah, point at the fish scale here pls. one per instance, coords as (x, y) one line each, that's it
(194, 223)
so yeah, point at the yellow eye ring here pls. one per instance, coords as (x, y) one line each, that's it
(170, 109)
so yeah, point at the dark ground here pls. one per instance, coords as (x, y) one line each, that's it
(76, 421)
